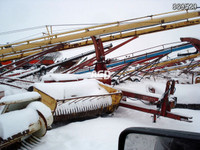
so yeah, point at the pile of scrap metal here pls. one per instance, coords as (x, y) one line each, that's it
(31, 114)
(70, 101)
(150, 64)
(27, 116)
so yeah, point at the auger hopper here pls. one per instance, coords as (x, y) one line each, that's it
(78, 100)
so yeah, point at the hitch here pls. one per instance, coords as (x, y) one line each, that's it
(165, 104)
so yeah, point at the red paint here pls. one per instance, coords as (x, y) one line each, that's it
(6, 62)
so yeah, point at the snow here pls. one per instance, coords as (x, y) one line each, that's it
(67, 90)
(64, 77)
(21, 97)
(103, 132)
(188, 93)
(86, 87)
(138, 88)
(9, 91)
(15, 122)
(82, 105)
(42, 108)
(60, 77)
(46, 111)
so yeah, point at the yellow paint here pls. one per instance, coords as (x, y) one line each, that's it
(174, 68)
(47, 100)
(115, 98)
(105, 29)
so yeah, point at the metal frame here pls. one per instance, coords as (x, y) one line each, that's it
(164, 104)
(108, 32)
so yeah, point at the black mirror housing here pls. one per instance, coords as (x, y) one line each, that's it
(189, 140)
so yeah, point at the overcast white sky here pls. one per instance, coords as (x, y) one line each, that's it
(20, 14)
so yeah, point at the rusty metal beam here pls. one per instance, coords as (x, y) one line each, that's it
(140, 96)
(33, 56)
(193, 41)
(91, 60)
(100, 56)
(154, 112)
(15, 79)
(28, 59)
(164, 105)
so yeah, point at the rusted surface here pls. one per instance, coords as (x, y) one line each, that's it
(11, 85)
(85, 114)
(15, 79)
(28, 59)
(197, 80)
(164, 105)
(43, 126)
(193, 41)
(140, 96)
(2, 94)
(15, 138)
(37, 129)
(91, 109)
(155, 112)
(100, 56)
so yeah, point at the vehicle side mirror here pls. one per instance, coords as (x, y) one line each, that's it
(158, 139)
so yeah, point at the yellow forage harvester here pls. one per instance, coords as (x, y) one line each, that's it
(77, 100)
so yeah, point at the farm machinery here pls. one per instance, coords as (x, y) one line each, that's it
(73, 93)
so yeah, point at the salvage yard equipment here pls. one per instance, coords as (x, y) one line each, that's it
(23, 116)
(164, 103)
(69, 101)
(80, 99)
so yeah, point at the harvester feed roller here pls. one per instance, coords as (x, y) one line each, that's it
(86, 98)
(17, 123)
(84, 107)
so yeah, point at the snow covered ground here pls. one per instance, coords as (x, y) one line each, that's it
(103, 132)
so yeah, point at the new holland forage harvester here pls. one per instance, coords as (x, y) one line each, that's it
(59, 101)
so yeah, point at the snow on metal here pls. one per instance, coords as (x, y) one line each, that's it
(17, 122)
(18, 98)
(60, 91)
